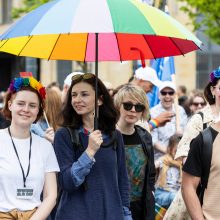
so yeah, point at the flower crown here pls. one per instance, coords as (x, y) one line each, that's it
(215, 74)
(17, 83)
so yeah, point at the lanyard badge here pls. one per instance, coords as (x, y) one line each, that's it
(23, 192)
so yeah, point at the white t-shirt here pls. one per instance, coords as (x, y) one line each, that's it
(42, 160)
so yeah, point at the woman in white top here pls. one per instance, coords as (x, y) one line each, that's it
(28, 164)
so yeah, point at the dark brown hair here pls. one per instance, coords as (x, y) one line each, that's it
(108, 115)
(207, 91)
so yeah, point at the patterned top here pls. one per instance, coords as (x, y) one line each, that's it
(136, 163)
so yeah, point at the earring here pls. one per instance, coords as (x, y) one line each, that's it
(213, 96)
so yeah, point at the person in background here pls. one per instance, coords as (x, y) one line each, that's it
(196, 102)
(28, 162)
(169, 175)
(146, 78)
(161, 135)
(182, 94)
(132, 103)
(67, 84)
(109, 87)
(56, 87)
(50, 121)
(93, 179)
(196, 124)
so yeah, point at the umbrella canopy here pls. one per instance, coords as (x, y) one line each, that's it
(127, 30)
(97, 30)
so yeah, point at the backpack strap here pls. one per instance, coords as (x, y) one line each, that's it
(207, 154)
(202, 116)
(206, 160)
(74, 135)
(77, 147)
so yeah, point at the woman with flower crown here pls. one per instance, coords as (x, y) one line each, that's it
(209, 114)
(28, 163)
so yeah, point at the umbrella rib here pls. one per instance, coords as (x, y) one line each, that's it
(53, 47)
(30, 37)
(86, 48)
(176, 45)
(118, 47)
(198, 46)
(149, 47)
(4, 43)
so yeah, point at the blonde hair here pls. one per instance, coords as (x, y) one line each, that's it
(53, 108)
(134, 92)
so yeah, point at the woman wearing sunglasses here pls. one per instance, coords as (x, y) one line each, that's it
(132, 103)
(28, 162)
(93, 179)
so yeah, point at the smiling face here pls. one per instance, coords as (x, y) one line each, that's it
(24, 107)
(83, 99)
(167, 98)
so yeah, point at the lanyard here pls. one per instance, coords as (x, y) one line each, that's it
(24, 177)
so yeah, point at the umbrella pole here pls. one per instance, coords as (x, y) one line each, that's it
(96, 82)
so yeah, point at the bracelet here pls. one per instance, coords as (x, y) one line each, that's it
(154, 123)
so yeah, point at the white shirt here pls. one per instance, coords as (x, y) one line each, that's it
(162, 134)
(42, 160)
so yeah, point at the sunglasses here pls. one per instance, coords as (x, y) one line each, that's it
(83, 76)
(198, 103)
(138, 107)
(165, 93)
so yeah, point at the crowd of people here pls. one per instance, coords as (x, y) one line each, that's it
(58, 164)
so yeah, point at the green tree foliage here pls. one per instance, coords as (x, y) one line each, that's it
(29, 5)
(205, 15)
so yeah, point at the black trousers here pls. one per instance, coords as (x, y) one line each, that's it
(137, 210)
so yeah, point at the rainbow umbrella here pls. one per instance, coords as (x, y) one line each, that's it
(97, 30)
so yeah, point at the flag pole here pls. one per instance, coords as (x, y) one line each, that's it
(176, 106)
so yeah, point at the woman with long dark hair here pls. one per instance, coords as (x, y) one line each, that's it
(93, 179)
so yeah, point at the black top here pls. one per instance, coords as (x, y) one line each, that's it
(132, 139)
(193, 164)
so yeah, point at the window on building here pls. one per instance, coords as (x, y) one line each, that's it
(206, 62)
(5, 11)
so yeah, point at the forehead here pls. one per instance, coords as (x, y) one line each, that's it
(82, 86)
(167, 89)
(130, 97)
(198, 99)
(218, 83)
(26, 96)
